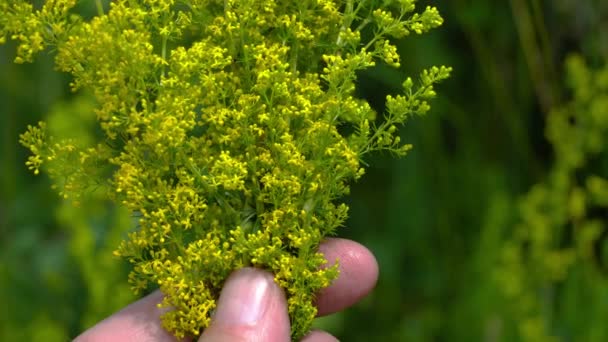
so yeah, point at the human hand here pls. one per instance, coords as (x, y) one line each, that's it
(251, 306)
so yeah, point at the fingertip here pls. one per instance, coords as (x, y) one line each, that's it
(358, 274)
(251, 307)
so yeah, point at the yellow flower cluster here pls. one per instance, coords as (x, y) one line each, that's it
(34, 29)
(561, 217)
(221, 122)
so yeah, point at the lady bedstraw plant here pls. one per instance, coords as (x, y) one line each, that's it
(559, 245)
(223, 128)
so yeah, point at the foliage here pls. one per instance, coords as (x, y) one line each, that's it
(230, 131)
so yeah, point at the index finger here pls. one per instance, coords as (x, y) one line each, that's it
(358, 275)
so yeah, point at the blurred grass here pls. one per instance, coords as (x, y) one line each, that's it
(437, 220)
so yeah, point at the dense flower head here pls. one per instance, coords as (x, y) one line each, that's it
(224, 131)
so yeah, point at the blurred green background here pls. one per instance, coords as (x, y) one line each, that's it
(492, 229)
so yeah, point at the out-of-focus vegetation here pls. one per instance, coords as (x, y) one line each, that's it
(493, 228)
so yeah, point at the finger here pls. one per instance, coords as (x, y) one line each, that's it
(319, 336)
(251, 307)
(139, 321)
(358, 275)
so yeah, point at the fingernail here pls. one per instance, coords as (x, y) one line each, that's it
(244, 298)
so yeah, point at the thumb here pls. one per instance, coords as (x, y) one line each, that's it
(251, 307)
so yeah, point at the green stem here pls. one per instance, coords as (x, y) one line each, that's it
(99, 5)
(545, 45)
(531, 51)
(346, 24)
(163, 52)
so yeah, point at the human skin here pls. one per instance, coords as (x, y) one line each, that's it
(251, 306)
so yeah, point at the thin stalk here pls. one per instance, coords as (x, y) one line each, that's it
(532, 52)
(99, 5)
(163, 52)
(347, 14)
(545, 44)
